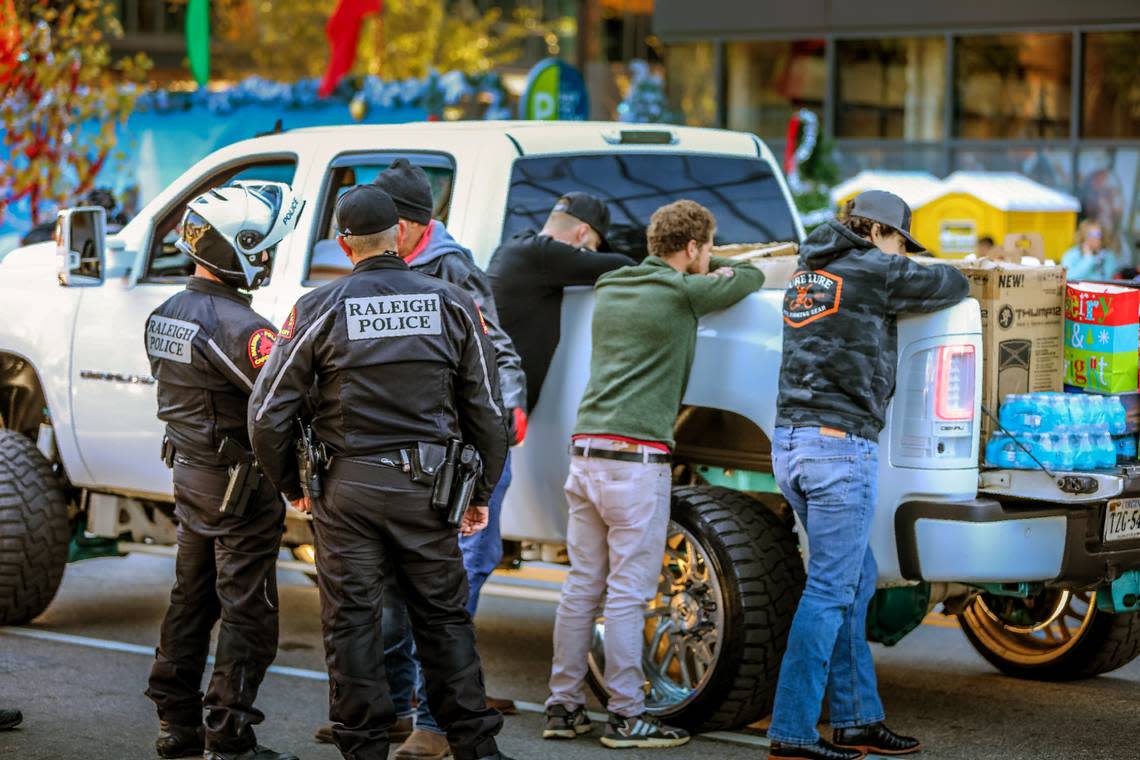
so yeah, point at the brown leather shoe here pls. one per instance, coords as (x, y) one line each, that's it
(423, 745)
(505, 706)
(399, 732)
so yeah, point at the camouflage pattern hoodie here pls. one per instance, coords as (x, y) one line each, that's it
(840, 335)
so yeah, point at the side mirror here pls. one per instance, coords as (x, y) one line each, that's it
(80, 244)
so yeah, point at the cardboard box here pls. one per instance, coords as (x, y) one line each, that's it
(776, 260)
(1022, 329)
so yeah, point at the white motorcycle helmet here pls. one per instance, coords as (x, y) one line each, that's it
(233, 230)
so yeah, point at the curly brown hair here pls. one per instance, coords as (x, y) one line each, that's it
(860, 225)
(672, 227)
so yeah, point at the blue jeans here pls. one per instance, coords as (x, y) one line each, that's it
(832, 484)
(481, 555)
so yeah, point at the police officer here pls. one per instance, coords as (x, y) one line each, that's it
(206, 347)
(402, 367)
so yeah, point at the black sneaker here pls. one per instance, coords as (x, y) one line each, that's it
(179, 741)
(562, 723)
(642, 731)
(257, 753)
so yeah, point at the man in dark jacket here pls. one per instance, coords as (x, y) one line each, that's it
(206, 347)
(529, 272)
(836, 378)
(404, 368)
(428, 248)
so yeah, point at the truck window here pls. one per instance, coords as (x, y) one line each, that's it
(326, 260)
(742, 192)
(165, 263)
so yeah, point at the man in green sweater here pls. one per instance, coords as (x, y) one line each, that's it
(644, 336)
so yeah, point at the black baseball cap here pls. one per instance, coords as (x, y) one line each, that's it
(589, 209)
(365, 210)
(889, 209)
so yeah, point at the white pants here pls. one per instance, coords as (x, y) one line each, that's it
(619, 515)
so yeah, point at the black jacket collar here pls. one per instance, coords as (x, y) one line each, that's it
(211, 288)
(383, 261)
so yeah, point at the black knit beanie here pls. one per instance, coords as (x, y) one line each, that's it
(410, 190)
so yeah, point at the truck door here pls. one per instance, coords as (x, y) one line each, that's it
(113, 393)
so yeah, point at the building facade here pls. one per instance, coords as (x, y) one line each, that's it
(1048, 88)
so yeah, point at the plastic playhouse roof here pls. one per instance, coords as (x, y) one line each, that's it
(1008, 191)
(916, 188)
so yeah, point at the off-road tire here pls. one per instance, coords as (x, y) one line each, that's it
(1107, 642)
(34, 532)
(756, 557)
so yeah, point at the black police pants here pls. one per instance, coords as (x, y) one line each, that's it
(386, 528)
(225, 568)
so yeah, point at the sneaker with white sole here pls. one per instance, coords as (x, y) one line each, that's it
(642, 731)
(564, 723)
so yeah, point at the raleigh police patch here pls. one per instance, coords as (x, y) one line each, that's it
(168, 338)
(392, 316)
(811, 296)
(260, 346)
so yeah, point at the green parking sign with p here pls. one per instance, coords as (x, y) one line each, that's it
(555, 91)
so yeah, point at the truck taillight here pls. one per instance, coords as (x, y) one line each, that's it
(954, 383)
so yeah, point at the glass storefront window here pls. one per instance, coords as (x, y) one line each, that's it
(1013, 86)
(853, 158)
(767, 82)
(891, 88)
(1049, 166)
(1107, 183)
(689, 84)
(1111, 88)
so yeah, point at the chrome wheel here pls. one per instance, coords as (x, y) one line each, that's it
(1033, 631)
(683, 626)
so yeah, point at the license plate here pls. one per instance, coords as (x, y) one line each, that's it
(1122, 519)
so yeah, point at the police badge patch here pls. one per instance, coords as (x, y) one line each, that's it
(289, 326)
(260, 346)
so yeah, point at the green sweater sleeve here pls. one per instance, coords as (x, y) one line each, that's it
(708, 293)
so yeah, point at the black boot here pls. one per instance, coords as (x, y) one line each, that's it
(257, 753)
(876, 738)
(179, 741)
(10, 719)
(821, 750)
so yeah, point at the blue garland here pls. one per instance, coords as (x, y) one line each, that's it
(432, 93)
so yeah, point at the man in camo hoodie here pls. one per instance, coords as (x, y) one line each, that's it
(836, 378)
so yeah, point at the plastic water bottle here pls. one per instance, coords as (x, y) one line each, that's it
(1042, 447)
(1085, 457)
(1063, 451)
(1117, 415)
(1125, 447)
(1078, 409)
(1001, 451)
(1020, 413)
(1106, 451)
(1097, 412)
(1057, 415)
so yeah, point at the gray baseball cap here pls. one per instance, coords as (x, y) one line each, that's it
(889, 209)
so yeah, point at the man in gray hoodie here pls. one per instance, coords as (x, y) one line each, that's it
(426, 246)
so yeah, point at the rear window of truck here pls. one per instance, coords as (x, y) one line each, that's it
(743, 194)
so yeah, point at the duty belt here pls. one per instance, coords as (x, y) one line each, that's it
(421, 463)
(621, 456)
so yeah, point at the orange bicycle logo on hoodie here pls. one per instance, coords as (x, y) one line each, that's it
(811, 296)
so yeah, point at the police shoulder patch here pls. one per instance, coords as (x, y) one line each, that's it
(392, 316)
(290, 325)
(260, 346)
(811, 296)
(168, 338)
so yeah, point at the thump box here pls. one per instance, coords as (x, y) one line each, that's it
(1023, 322)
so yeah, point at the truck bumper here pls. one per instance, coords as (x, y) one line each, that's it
(985, 541)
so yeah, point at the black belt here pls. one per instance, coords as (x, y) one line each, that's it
(621, 456)
(394, 459)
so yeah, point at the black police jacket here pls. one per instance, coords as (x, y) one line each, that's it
(397, 357)
(206, 348)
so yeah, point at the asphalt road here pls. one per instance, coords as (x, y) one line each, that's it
(79, 671)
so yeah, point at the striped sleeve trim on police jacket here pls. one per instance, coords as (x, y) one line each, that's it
(292, 354)
(226, 360)
(482, 359)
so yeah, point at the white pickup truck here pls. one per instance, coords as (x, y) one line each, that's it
(1020, 557)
